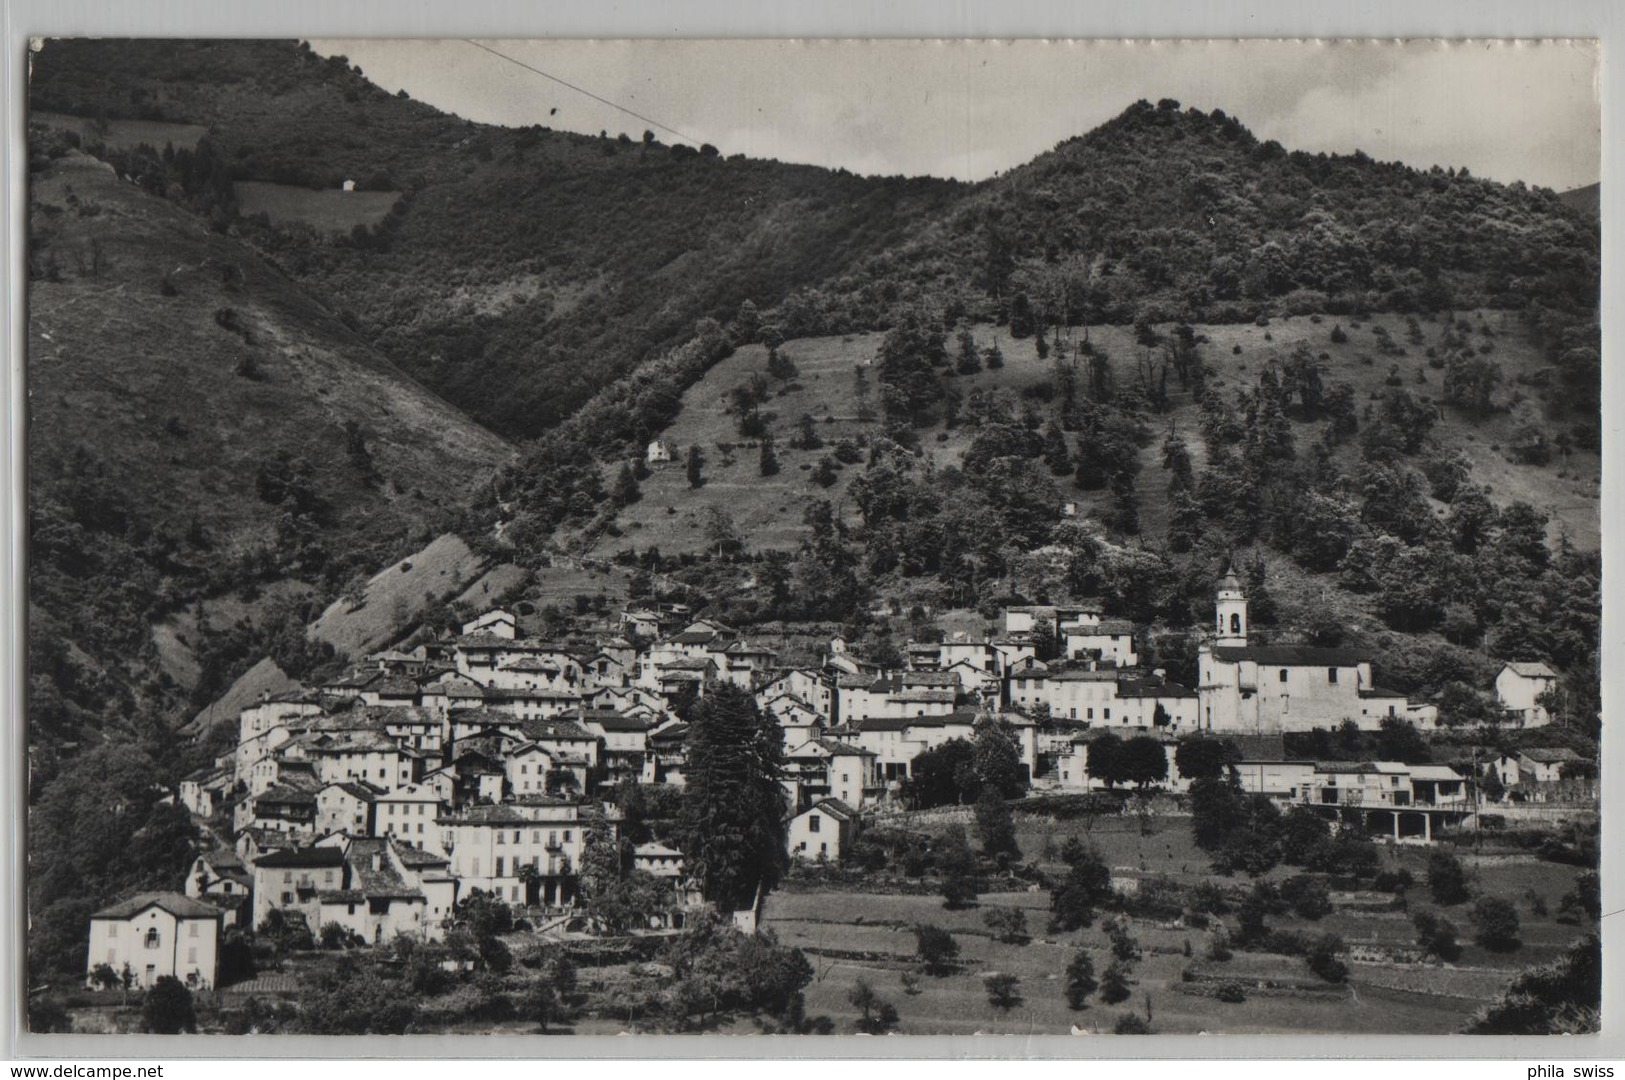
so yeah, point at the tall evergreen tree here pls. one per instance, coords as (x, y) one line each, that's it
(1056, 455)
(626, 486)
(733, 804)
(695, 461)
(768, 465)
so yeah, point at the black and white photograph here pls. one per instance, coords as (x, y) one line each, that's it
(813, 537)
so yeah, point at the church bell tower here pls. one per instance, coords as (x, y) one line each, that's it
(1230, 610)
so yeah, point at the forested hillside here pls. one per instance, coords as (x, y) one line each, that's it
(199, 426)
(522, 269)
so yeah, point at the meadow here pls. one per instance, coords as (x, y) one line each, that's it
(326, 209)
(851, 934)
(125, 134)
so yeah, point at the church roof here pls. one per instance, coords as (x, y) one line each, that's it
(1291, 655)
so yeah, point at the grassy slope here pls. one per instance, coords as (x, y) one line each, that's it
(1383, 998)
(113, 361)
(327, 210)
(671, 516)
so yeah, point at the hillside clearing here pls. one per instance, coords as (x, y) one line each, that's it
(327, 210)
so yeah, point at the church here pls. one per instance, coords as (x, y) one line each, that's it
(1265, 689)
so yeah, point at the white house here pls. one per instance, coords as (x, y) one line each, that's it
(408, 813)
(1108, 641)
(658, 859)
(1519, 686)
(156, 934)
(496, 622)
(822, 831)
(659, 453)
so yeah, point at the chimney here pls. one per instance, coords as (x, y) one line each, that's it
(377, 861)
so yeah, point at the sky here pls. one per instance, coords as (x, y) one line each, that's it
(1509, 111)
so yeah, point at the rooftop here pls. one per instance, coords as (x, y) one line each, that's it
(182, 907)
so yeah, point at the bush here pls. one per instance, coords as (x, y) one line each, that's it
(1114, 983)
(1446, 879)
(1131, 1024)
(1003, 989)
(1230, 992)
(1436, 935)
(878, 1015)
(1209, 898)
(1308, 896)
(167, 1008)
(1495, 923)
(1391, 881)
(1080, 980)
(1009, 925)
(1218, 949)
(1322, 959)
(937, 949)
(1124, 947)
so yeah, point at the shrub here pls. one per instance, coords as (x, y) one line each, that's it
(1495, 923)
(1003, 989)
(1308, 896)
(1218, 949)
(167, 1008)
(1230, 993)
(1392, 881)
(1436, 935)
(1009, 925)
(937, 949)
(1080, 980)
(1124, 947)
(1322, 958)
(1446, 879)
(1208, 897)
(1131, 1024)
(1114, 983)
(878, 1015)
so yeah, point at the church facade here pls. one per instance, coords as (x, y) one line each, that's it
(1264, 689)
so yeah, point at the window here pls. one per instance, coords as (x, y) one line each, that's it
(1331, 676)
(191, 929)
(566, 836)
(499, 837)
(536, 837)
(287, 877)
(152, 937)
(475, 869)
(1106, 714)
(499, 866)
(191, 955)
(1283, 674)
(812, 822)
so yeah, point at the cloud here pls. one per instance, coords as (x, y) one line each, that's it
(1525, 111)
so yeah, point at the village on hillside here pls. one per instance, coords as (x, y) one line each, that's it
(495, 573)
(368, 806)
